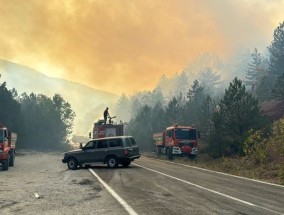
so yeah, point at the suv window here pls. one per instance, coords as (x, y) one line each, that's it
(101, 144)
(115, 142)
(130, 142)
(127, 142)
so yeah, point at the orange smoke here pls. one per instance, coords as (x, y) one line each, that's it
(125, 45)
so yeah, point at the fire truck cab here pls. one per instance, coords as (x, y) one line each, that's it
(177, 140)
(7, 147)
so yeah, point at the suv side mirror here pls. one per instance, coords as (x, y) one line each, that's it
(81, 146)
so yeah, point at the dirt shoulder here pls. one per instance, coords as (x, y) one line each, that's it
(40, 183)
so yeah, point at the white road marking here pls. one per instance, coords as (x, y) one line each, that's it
(209, 190)
(222, 173)
(124, 204)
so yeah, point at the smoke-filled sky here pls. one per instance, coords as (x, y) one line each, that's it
(123, 46)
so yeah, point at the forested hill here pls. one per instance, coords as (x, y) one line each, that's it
(85, 101)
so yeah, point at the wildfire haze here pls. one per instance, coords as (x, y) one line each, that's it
(125, 46)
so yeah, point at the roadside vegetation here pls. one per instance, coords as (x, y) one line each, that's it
(239, 134)
(42, 123)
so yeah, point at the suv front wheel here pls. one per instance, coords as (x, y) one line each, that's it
(112, 162)
(72, 163)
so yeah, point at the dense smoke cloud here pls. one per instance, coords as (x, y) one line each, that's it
(124, 45)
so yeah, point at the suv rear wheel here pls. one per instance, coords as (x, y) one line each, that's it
(112, 162)
(72, 163)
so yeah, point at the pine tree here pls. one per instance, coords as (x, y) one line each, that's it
(158, 118)
(255, 70)
(196, 97)
(10, 110)
(278, 90)
(276, 50)
(174, 111)
(276, 66)
(238, 113)
(140, 127)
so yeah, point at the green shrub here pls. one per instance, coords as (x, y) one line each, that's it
(275, 143)
(255, 147)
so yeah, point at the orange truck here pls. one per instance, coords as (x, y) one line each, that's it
(177, 140)
(7, 147)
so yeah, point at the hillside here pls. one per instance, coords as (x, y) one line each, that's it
(88, 103)
(274, 110)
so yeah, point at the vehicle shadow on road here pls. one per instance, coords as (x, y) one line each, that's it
(107, 168)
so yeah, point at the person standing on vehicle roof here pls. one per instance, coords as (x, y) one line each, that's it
(106, 114)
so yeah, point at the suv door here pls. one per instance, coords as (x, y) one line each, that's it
(132, 146)
(94, 151)
(116, 147)
(87, 154)
(100, 151)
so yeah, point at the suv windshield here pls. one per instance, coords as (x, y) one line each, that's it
(185, 134)
(90, 145)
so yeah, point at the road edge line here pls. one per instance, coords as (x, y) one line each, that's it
(221, 173)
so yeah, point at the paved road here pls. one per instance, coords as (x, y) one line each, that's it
(153, 186)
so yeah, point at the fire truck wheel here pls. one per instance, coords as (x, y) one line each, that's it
(170, 153)
(12, 159)
(5, 164)
(158, 151)
(72, 163)
(125, 163)
(112, 162)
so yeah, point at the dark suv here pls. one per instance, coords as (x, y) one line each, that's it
(110, 150)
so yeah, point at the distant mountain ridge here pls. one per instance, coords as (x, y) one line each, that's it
(84, 100)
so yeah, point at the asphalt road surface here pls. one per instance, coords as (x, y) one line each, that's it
(40, 184)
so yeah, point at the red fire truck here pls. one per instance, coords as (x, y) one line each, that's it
(7, 147)
(109, 129)
(177, 140)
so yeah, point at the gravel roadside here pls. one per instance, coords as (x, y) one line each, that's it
(40, 183)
